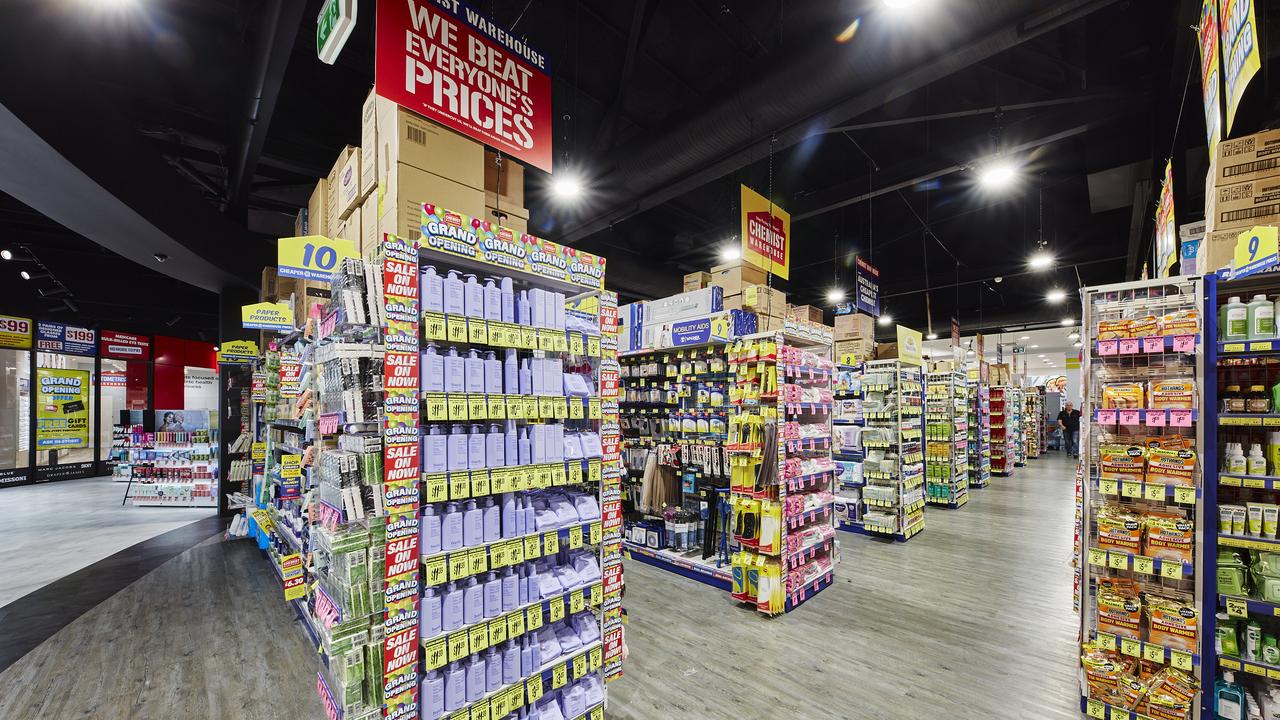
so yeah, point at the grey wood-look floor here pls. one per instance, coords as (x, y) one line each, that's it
(970, 619)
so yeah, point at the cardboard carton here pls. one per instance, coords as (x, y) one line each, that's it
(333, 198)
(1243, 205)
(505, 179)
(500, 211)
(350, 228)
(768, 323)
(318, 209)
(349, 195)
(369, 145)
(1218, 249)
(732, 302)
(805, 312)
(859, 350)
(406, 138)
(267, 286)
(300, 223)
(764, 300)
(857, 325)
(684, 306)
(368, 225)
(696, 281)
(405, 190)
(733, 278)
(1252, 157)
(886, 351)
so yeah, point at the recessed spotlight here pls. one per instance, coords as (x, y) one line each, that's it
(161, 257)
(1040, 260)
(6, 254)
(25, 275)
(885, 320)
(1056, 296)
(566, 187)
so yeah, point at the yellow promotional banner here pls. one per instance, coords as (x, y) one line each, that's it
(1240, 58)
(1210, 75)
(1257, 250)
(237, 351)
(15, 332)
(62, 409)
(1166, 227)
(766, 234)
(267, 316)
(312, 257)
(910, 346)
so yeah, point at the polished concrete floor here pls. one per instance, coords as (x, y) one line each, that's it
(70, 524)
(971, 619)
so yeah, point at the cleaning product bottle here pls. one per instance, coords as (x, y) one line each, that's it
(1253, 641)
(433, 694)
(1236, 462)
(432, 369)
(451, 613)
(473, 371)
(492, 300)
(1270, 650)
(495, 447)
(492, 373)
(455, 687)
(430, 531)
(432, 620)
(1262, 319)
(475, 678)
(472, 525)
(508, 299)
(491, 516)
(1256, 463)
(432, 289)
(472, 601)
(1228, 698)
(435, 449)
(451, 533)
(1236, 325)
(511, 373)
(453, 303)
(1273, 448)
(454, 375)
(473, 298)
(508, 517)
(458, 456)
(475, 448)
(492, 669)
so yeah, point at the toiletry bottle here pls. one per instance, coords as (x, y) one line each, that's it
(524, 311)
(492, 595)
(432, 369)
(453, 303)
(473, 298)
(492, 300)
(492, 373)
(1273, 448)
(510, 372)
(1270, 651)
(429, 533)
(538, 442)
(432, 695)
(519, 517)
(491, 516)
(1253, 639)
(1236, 462)
(492, 669)
(432, 289)
(495, 447)
(451, 533)
(473, 365)
(536, 375)
(527, 667)
(508, 298)
(522, 584)
(454, 375)
(475, 448)
(511, 450)
(530, 515)
(508, 517)
(1228, 698)
(1237, 320)
(435, 446)
(510, 662)
(526, 376)
(458, 455)
(455, 687)
(1257, 462)
(511, 590)
(451, 613)
(1262, 319)
(538, 303)
(472, 601)
(475, 678)
(472, 525)
(432, 608)
(526, 450)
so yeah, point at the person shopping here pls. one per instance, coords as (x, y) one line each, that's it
(1069, 422)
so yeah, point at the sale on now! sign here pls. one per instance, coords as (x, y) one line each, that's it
(457, 67)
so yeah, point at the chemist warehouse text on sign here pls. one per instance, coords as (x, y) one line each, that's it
(444, 60)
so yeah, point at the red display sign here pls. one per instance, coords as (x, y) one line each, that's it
(767, 236)
(457, 67)
(124, 346)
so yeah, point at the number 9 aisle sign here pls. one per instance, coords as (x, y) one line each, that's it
(15, 332)
(312, 257)
(1256, 250)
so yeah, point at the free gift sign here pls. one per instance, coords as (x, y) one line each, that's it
(457, 67)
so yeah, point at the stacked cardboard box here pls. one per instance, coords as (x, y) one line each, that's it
(1000, 374)
(504, 192)
(805, 312)
(732, 278)
(855, 338)
(1244, 192)
(696, 281)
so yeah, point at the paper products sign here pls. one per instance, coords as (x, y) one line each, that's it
(1166, 227)
(15, 332)
(910, 346)
(59, 338)
(462, 70)
(62, 409)
(237, 351)
(1240, 57)
(766, 234)
(267, 316)
(1210, 75)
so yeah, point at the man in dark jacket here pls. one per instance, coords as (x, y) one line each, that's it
(1069, 421)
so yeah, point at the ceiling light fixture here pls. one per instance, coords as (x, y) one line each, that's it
(70, 305)
(932, 336)
(52, 292)
(835, 295)
(997, 175)
(1078, 344)
(1033, 347)
(885, 320)
(566, 187)
(25, 275)
(1041, 260)
(1056, 295)
(898, 6)
(731, 253)
(6, 254)
(1025, 337)
(1068, 322)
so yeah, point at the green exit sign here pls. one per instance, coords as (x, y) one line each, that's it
(334, 24)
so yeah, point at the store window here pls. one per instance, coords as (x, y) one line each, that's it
(65, 410)
(15, 399)
(125, 386)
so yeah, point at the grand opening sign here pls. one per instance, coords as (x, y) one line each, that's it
(448, 62)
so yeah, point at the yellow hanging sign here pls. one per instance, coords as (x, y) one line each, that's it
(910, 346)
(312, 257)
(766, 234)
(267, 316)
(237, 351)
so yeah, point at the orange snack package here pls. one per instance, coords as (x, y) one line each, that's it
(1171, 467)
(1172, 622)
(1120, 607)
(1170, 536)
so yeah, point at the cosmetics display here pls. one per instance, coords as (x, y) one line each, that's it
(782, 472)
(1145, 601)
(1033, 422)
(946, 439)
(1005, 414)
(171, 468)
(674, 416)
(979, 449)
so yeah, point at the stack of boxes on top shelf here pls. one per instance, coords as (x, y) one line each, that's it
(855, 339)
(403, 161)
(1242, 190)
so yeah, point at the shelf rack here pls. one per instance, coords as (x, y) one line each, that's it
(946, 435)
(1017, 421)
(1033, 422)
(979, 450)
(1004, 429)
(1142, 495)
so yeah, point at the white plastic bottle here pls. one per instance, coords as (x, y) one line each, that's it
(1236, 463)
(1256, 463)
(1236, 325)
(1262, 318)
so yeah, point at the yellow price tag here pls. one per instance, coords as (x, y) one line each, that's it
(577, 345)
(574, 472)
(559, 676)
(477, 332)
(546, 340)
(477, 407)
(1144, 565)
(1229, 481)
(1255, 483)
(595, 658)
(515, 407)
(593, 409)
(1108, 487)
(593, 470)
(546, 406)
(533, 689)
(1171, 569)
(550, 543)
(1095, 709)
(459, 566)
(1107, 640)
(458, 646)
(557, 474)
(530, 407)
(1255, 669)
(528, 338)
(1097, 557)
(433, 326)
(575, 537)
(497, 631)
(480, 711)
(515, 624)
(1181, 660)
(1184, 495)
(1228, 663)
(1130, 647)
(1153, 492)
(1131, 489)
(437, 653)
(499, 557)
(497, 407)
(479, 483)
(437, 572)
(459, 485)
(593, 346)
(533, 618)
(437, 487)
(478, 561)
(597, 712)
(576, 602)
(597, 594)
(457, 407)
(499, 481)
(1237, 607)
(555, 609)
(437, 406)
(1153, 653)
(597, 533)
(455, 328)
(478, 637)
(579, 666)
(1118, 561)
(577, 410)
(532, 548)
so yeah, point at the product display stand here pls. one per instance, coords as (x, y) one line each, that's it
(1003, 430)
(946, 434)
(674, 418)
(1144, 619)
(1017, 422)
(846, 429)
(979, 435)
(172, 469)
(783, 476)
(893, 458)
(1033, 422)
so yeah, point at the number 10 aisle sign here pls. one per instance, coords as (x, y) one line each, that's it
(312, 257)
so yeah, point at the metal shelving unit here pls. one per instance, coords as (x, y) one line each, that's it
(946, 430)
(979, 450)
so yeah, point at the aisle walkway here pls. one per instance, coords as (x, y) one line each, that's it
(971, 619)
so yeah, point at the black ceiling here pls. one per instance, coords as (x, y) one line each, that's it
(665, 107)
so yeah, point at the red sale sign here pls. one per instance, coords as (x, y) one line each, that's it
(457, 67)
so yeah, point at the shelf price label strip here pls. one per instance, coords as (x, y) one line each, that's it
(1118, 560)
(465, 562)
(441, 327)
